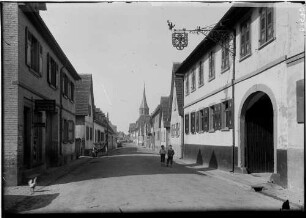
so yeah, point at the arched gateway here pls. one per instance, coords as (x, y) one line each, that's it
(257, 134)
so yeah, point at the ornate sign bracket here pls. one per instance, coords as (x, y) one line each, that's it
(224, 38)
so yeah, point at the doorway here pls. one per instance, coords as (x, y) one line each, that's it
(257, 115)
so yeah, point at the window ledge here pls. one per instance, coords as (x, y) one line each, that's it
(245, 57)
(37, 74)
(200, 85)
(53, 87)
(225, 69)
(225, 129)
(266, 43)
(212, 78)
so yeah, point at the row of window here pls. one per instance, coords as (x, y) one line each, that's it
(68, 131)
(175, 130)
(99, 136)
(209, 119)
(34, 60)
(265, 36)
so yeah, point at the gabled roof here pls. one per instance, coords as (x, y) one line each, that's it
(164, 102)
(83, 89)
(177, 84)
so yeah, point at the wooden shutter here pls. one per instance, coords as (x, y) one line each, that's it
(56, 76)
(300, 100)
(269, 23)
(178, 129)
(229, 116)
(193, 122)
(197, 121)
(218, 116)
(48, 68)
(40, 59)
(28, 44)
(263, 25)
(206, 119)
(186, 123)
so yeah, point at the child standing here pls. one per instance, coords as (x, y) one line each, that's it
(170, 155)
(162, 153)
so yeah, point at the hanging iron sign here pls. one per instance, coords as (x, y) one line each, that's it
(180, 40)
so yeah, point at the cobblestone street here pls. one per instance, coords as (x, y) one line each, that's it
(131, 179)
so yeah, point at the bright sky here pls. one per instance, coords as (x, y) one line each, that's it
(126, 45)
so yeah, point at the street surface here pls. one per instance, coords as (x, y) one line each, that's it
(131, 179)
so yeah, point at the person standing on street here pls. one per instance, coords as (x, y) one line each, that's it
(170, 155)
(162, 153)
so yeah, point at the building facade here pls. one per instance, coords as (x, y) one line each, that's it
(99, 129)
(244, 112)
(38, 95)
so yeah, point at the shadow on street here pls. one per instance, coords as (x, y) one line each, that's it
(127, 161)
(28, 202)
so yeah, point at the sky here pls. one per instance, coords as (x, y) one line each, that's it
(126, 46)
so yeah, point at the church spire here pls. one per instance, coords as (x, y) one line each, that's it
(144, 109)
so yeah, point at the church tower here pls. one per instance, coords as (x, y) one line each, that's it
(144, 109)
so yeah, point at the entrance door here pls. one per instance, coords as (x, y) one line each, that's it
(27, 137)
(259, 133)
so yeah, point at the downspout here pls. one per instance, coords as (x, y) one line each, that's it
(233, 99)
(61, 108)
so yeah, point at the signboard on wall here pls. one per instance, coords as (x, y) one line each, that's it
(45, 105)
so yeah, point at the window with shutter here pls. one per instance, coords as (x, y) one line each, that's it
(87, 133)
(91, 133)
(206, 119)
(48, 69)
(72, 91)
(40, 59)
(211, 118)
(229, 118)
(300, 94)
(225, 55)
(197, 121)
(266, 25)
(187, 123)
(193, 122)
(201, 76)
(193, 80)
(211, 65)
(245, 43)
(28, 47)
(202, 122)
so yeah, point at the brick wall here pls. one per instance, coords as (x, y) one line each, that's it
(10, 91)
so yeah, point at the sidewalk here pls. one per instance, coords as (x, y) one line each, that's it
(43, 180)
(252, 182)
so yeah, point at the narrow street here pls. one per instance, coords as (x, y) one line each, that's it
(132, 180)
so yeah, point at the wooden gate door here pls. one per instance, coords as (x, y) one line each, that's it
(259, 133)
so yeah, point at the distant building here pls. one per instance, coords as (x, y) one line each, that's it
(85, 113)
(176, 114)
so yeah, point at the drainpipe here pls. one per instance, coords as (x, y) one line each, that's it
(61, 108)
(233, 99)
